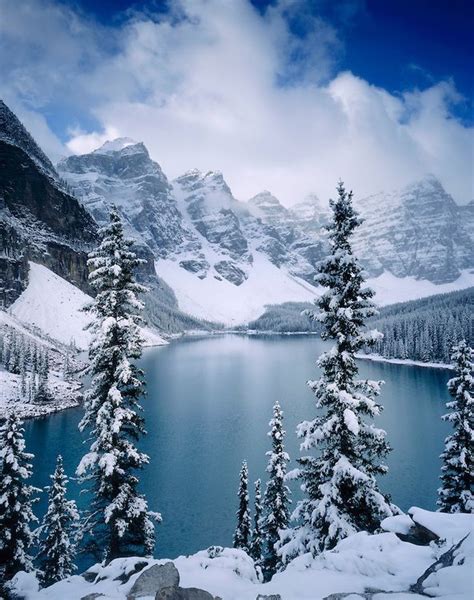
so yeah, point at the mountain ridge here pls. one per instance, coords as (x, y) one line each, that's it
(195, 224)
(203, 247)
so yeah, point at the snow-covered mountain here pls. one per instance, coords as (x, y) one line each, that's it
(418, 231)
(39, 220)
(223, 262)
(226, 259)
(207, 253)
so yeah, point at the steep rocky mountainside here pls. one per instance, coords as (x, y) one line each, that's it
(122, 173)
(41, 221)
(418, 231)
(38, 220)
(199, 232)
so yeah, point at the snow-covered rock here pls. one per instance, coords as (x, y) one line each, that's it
(415, 232)
(382, 563)
(154, 579)
(121, 172)
(12, 132)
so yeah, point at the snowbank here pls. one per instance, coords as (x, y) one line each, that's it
(379, 562)
(403, 361)
(54, 305)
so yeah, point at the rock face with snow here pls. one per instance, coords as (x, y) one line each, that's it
(418, 231)
(39, 220)
(200, 234)
(122, 173)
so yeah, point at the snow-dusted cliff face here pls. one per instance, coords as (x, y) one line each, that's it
(418, 231)
(122, 173)
(207, 244)
(13, 132)
(39, 220)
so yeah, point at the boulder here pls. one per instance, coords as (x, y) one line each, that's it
(270, 597)
(92, 596)
(179, 593)
(154, 579)
(230, 271)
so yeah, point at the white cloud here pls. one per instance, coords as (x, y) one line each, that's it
(82, 142)
(217, 85)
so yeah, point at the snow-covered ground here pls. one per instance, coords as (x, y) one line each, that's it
(390, 289)
(404, 361)
(54, 305)
(224, 302)
(66, 395)
(382, 563)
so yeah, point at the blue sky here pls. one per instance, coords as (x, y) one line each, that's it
(287, 94)
(395, 44)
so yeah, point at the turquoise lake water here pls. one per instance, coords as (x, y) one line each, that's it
(208, 405)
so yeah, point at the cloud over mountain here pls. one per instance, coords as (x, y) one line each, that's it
(218, 85)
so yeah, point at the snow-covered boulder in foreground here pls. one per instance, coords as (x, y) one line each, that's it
(381, 563)
(55, 306)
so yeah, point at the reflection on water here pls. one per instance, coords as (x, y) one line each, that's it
(208, 406)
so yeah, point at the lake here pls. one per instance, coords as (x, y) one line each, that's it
(208, 406)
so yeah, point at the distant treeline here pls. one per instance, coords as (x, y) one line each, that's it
(426, 329)
(285, 318)
(423, 330)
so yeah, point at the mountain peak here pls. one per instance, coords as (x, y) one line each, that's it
(12, 131)
(117, 145)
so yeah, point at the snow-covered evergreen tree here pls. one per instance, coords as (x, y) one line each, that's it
(16, 500)
(43, 393)
(243, 530)
(341, 494)
(277, 495)
(457, 491)
(120, 522)
(256, 541)
(58, 530)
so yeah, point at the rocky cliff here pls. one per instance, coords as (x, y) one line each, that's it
(39, 220)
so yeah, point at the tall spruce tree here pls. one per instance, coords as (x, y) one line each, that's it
(58, 530)
(341, 494)
(256, 541)
(457, 491)
(243, 530)
(277, 495)
(120, 522)
(16, 500)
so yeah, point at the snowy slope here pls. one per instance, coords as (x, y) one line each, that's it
(54, 305)
(222, 301)
(390, 289)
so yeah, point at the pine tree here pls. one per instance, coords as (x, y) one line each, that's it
(255, 549)
(57, 547)
(16, 500)
(456, 493)
(243, 530)
(277, 495)
(120, 521)
(43, 393)
(14, 353)
(341, 495)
